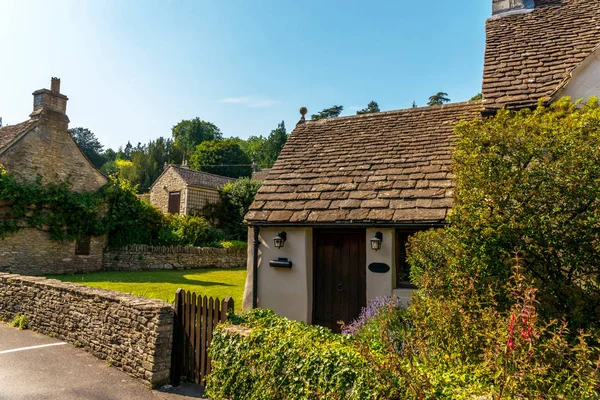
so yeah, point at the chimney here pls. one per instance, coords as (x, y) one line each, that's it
(185, 165)
(505, 6)
(50, 103)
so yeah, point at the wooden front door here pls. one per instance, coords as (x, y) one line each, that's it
(340, 288)
(174, 202)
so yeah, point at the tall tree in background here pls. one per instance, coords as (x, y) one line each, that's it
(414, 104)
(274, 144)
(331, 112)
(188, 134)
(221, 157)
(478, 96)
(372, 107)
(438, 99)
(89, 145)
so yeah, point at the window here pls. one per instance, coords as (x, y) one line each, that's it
(83, 245)
(402, 266)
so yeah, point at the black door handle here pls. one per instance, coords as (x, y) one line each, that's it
(340, 287)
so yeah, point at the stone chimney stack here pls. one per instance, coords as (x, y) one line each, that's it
(50, 103)
(505, 6)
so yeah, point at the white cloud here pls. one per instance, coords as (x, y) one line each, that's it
(250, 101)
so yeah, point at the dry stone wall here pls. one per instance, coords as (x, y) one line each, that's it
(129, 332)
(142, 257)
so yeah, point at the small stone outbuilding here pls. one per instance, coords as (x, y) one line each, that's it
(42, 147)
(180, 190)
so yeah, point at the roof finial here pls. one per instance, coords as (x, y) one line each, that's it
(303, 111)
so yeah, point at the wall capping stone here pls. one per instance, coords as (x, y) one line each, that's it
(132, 333)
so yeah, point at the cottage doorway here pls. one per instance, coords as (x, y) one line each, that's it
(340, 290)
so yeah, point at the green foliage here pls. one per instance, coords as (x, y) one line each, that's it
(530, 181)
(372, 107)
(235, 199)
(331, 112)
(20, 321)
(284, 359)
(478, 96)
(438, 99)
(264, 151)
(233, 244)
(188, 134)
(221, 157)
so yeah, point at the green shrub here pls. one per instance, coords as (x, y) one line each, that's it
(20, 321)
(284, 359)
(233, 244)
(530, 181)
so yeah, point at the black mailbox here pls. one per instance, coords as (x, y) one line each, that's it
(379, 268)
(281, 263)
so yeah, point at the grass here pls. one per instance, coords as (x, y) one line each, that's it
(163, 284)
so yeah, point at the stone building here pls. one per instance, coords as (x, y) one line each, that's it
(42, 147)
(328, 227)
(180, 190)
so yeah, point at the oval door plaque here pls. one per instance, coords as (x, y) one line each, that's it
(379, 268)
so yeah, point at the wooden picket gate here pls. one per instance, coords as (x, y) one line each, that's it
(195, 320)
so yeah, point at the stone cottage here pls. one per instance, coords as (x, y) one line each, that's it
(180, 190)
(42, 147)
(328, 228)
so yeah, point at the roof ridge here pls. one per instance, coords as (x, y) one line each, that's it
(179, 167)
(450, 106)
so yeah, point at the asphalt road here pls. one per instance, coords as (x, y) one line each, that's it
(57, 370)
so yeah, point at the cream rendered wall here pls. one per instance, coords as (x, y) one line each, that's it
(380, 285)
(288, 292)
(585, 79)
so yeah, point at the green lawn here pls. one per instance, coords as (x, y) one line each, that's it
(163, 284)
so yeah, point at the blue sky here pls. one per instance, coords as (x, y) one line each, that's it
(132, 69)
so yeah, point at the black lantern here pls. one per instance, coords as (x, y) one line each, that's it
(279, 240)
(376, 241)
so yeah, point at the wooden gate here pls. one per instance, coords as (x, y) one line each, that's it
(195, 320)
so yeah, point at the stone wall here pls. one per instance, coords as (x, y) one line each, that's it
(30, 251)
(129, 332)
(139, 257)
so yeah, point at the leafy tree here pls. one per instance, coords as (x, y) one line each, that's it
(235, 200)
(274, 144)
(438, 99)
(221, 157)
(528, 183)
(89, 145)
(372, 107)
(478, 96)
(188, 134)
(331, 112)
(255, 148)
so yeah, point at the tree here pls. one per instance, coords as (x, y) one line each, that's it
(221, 157)
(372, 107)
(89, 145)
(331, 112)
(528, 183)
(274, 144)
(188, 134)
(478, 96)
(235, 200)
(438, 99)
(414, 104)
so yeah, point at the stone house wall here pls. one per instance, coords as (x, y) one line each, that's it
(142, 257)
(132, 333)
(168, 182)
(30, 251)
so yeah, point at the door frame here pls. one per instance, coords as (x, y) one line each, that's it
(315, 234)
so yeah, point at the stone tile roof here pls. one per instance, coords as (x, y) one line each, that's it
(261, 175)
(390, 167)
(530, 55)
(201, 179)
(9, 133)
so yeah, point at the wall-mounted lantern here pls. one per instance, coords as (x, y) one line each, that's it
(279, 240)
(376, 241)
